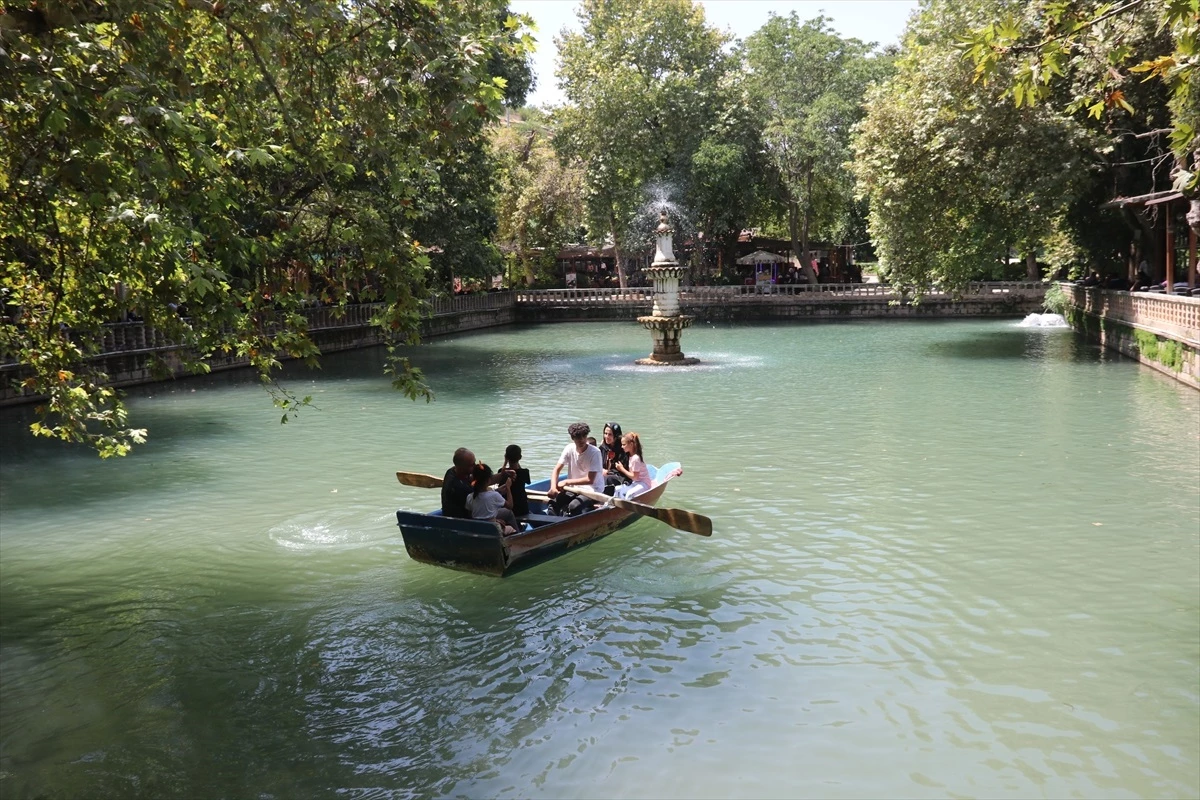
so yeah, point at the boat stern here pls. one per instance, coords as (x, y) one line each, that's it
(464, 544)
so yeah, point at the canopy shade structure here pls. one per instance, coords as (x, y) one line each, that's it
(762, 257)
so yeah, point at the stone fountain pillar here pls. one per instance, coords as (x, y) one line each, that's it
(665, 322)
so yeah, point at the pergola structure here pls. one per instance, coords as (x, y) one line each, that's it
(1168, 201)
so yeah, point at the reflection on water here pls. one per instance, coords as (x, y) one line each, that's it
(950, 558)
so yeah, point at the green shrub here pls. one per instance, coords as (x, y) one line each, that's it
(1057, 301)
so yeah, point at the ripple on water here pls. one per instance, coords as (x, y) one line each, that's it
(666, 575)
(709, 362)
(946, 562)
(330, 529)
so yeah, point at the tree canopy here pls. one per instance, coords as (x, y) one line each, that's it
(955, 177)
(539, 198)
(235, 161)
(807, 83)
(1008, 125)
(642, 81)
(1099, 50)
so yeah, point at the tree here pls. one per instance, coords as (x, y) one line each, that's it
(641, 80)
(728, 171)
(955, 178)
(1098, 50)
(233, 160)
(540, 199)
(808, 83)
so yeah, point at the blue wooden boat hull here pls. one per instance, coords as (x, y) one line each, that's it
(477, 546)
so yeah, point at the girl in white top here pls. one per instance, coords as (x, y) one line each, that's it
(488, 503)
(637, 471)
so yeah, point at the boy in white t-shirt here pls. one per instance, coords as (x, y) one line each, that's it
(585, 467)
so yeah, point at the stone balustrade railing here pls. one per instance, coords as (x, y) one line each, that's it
(710, 295)
(1170, 315)
(485, 301)
(136, 337)
(633, 296)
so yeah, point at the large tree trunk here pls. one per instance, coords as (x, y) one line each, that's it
(806, 268)
(526, 262)
(730, 249)
(618, 251)
(800, 253)
(1032, 272)
(807, 215)
(794, 227)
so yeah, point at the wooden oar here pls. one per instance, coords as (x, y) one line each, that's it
(419, 479)
(679, 518)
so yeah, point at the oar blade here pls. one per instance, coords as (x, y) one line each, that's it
(689, 521)
(419, 479)
(678, 518)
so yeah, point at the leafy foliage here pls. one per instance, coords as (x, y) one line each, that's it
(729, 171)
(1097, 48)
(642, 81)
(808, 84)
(955, 178)
(540, 199)
(235, 161)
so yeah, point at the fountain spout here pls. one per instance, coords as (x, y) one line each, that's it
(662, 242)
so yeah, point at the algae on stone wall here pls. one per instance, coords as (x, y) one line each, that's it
(1166, 352)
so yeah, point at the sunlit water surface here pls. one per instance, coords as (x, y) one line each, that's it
(950, 559)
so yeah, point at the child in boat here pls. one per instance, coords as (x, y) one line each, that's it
(637, 472)
(491, 503)
(518, 478)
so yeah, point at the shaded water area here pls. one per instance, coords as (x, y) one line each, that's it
(957, 558)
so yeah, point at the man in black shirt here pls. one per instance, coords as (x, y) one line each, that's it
(456, 485)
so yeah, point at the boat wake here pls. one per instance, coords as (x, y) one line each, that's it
(325, 530)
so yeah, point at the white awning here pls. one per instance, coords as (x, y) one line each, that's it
(762, 257)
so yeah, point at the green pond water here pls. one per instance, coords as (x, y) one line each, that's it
(950, 559)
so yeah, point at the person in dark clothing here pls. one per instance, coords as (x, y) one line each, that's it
(519, 476)
(613, 455)
(456, 485)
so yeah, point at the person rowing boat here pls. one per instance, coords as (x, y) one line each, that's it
(585, 468)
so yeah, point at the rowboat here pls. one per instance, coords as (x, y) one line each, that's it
(478, 546)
